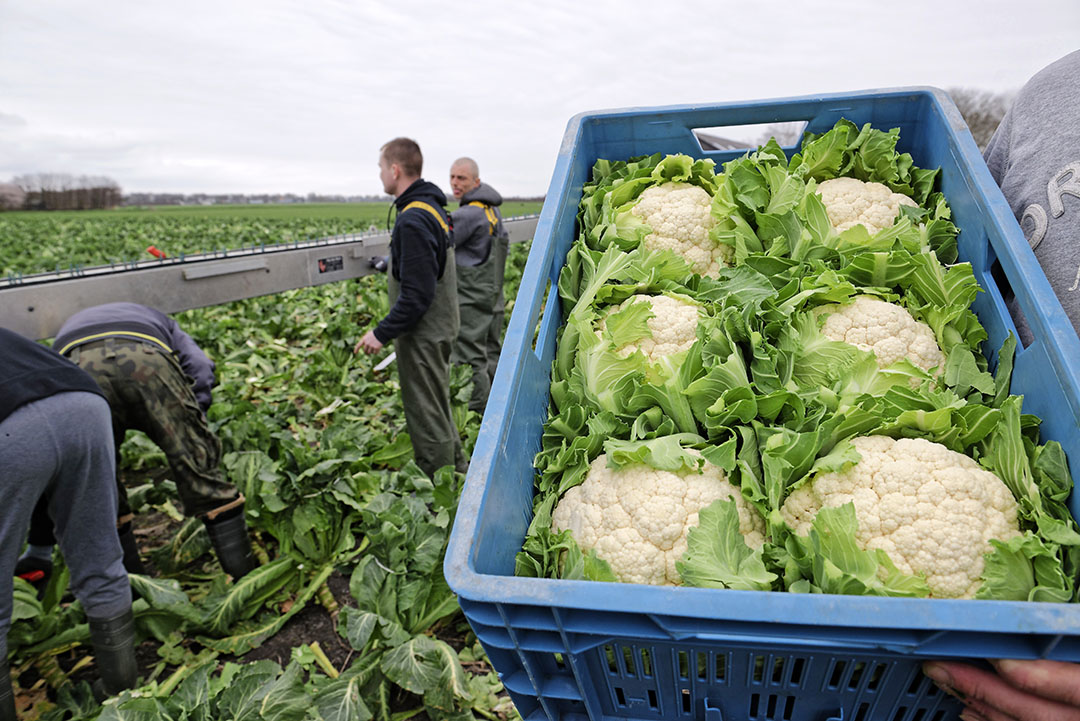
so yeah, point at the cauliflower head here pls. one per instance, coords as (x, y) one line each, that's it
(887, 330)
(672, 329)
(932, 510)
(680, 218)
(850, 202)
(637, 517)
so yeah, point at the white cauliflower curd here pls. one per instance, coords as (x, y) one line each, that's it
(672, 329)
(850, 202)
(932, 510)
(637, 517)
(680, 219)
(887, 330)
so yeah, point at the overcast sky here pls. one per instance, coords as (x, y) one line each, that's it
(279, 96)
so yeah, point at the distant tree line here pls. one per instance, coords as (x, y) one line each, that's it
(60, 191)
(244, 198)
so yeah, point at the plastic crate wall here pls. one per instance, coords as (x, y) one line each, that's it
(549, 639)
(580, 676)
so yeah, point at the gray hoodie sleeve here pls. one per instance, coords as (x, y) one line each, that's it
(194, 362)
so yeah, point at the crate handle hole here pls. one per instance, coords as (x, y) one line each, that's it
(749, 136)
(1008, 295)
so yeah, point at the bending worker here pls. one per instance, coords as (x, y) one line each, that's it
(56, 441)
(480, 248)
(423, 317)
(158, 381)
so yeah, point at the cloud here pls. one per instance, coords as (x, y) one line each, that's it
(10, 122)
(275, 95)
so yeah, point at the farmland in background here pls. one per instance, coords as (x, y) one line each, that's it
(37, 241)
(348, 617)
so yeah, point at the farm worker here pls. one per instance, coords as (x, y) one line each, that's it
(56, 441)
(423, 317)
(1035, 157)
(480, 247)
(158, 381)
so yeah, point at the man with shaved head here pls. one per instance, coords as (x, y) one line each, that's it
(480, 247)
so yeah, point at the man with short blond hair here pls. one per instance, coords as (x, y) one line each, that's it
(423, 317)
(405, 153)
(480, 246)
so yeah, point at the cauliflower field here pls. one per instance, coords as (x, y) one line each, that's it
(348, 616)
(770, 378)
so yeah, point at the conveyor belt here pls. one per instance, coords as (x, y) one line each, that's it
(36, 305)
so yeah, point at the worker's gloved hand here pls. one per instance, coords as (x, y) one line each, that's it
(36, 572)
(379, 263)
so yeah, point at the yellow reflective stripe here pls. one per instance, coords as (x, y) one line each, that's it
(489, 212)
(114, 334)
(424, 206)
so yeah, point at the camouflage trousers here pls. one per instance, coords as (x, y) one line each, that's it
(148, 391)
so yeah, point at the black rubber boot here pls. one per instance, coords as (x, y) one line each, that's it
(113, 640)
(229, 536)
(7, 696)
(132, 562)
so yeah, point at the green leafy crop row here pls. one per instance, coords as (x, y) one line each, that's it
(315, 439)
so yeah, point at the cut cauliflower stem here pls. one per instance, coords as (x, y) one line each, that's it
(931, 509)
(637, 517)
(673, 327)
(680, 218)
(888, 331)
(850, 202)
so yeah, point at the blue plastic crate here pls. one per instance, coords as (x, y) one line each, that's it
(576, 650)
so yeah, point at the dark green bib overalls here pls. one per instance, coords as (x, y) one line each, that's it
(423, 360)
(481, 303)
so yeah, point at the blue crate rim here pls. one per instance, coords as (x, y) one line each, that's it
(732, 605)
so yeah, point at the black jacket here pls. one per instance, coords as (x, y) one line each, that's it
(418, 246)
(30, 372)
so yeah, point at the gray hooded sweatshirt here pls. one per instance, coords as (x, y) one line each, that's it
(1035, 157)
(472, 229)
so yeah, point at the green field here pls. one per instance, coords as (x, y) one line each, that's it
(36, 242)
(348, 618)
